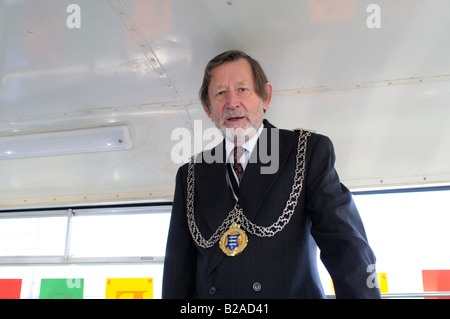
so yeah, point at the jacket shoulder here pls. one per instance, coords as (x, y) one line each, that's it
(298, 129)
(312, 135)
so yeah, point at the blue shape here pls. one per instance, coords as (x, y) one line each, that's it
(232, 241)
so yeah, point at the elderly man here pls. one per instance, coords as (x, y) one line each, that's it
(239, 231)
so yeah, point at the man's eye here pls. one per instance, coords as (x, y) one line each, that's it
(219, 96)
(243, 92)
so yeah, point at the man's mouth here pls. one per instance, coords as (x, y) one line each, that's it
(235, 118)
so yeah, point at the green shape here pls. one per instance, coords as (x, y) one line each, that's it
(62, 288)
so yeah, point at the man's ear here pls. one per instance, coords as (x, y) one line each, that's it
(269, 90)
(207, 111)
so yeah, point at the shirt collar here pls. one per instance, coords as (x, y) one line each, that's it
(249, 145)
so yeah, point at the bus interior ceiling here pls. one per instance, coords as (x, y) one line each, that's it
(380, 92)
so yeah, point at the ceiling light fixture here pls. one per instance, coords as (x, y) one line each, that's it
(98, 139)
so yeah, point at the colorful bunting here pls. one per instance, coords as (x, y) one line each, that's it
(435, 281)
(67, 288)
(129, 288)
(10, 288)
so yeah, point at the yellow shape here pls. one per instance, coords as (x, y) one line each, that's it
(382, 283)
(129, 288)
(332, 287)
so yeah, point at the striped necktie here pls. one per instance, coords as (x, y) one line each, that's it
(237, 166)
(238, 170)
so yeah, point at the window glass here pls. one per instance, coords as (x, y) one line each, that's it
(108, 242)
(119, 235)
(409, 233)
(33, 236)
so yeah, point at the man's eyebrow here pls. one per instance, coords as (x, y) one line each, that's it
(220, 86)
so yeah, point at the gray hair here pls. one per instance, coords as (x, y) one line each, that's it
(230, 56)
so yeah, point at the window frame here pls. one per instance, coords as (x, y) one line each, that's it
(71, 212)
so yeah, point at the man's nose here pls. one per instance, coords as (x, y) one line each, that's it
(233, 100)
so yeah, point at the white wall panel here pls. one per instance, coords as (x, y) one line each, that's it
(144, 172)
(383, 136)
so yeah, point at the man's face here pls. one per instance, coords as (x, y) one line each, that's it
(235, 105)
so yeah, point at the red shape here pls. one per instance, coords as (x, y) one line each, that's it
(10, 288)
(436, 280)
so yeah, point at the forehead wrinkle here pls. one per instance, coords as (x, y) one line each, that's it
(242, 82)
(223, 85)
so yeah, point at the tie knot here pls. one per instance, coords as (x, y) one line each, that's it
(238, 151)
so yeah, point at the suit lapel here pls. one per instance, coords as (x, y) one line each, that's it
(260, 175)
(214, 199)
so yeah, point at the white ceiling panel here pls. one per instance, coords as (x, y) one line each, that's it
(140, 62)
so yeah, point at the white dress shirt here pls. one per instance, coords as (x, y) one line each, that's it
(249, 146)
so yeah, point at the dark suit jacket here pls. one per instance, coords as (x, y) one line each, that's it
(282, 266)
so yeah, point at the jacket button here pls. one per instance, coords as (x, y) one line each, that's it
(212, 290)
(256, 286)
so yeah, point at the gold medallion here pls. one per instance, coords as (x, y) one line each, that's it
(233, 241)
